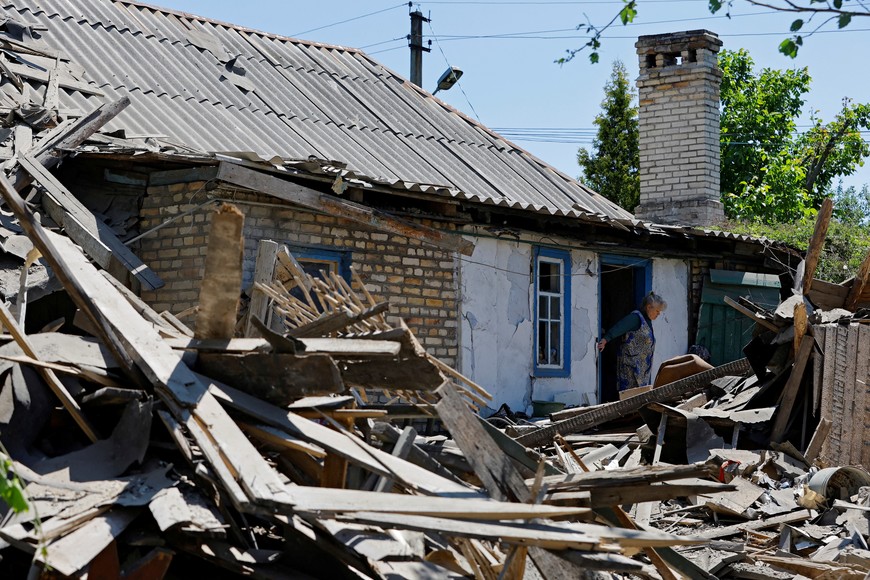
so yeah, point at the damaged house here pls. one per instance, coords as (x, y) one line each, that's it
(502, 266)
(157, 164)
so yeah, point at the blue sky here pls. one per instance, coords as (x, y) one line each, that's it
(507, 48)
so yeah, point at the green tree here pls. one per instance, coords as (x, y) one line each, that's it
(612, 167)
(811, 16)
(770, 173)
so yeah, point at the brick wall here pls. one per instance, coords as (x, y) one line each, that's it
(678, 90)
(417, 280)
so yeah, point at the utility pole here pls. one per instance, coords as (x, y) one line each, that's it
(415, 42)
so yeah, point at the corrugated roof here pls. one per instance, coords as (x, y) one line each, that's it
(218, 87)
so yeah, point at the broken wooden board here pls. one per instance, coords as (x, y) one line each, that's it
(222, 277)
(337, 348)
(275, 377)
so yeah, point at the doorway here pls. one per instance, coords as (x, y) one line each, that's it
(623, 282)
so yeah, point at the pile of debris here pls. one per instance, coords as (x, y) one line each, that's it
(267, 455)
(172, 448)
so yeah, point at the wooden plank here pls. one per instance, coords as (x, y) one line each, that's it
(815, 446)
(499, 476)
(401, 449)
(222, 277)
(92, 234)
(817, 243)
(827, 295)
(354, 348)
(800, 326)
(626, 476)
(47, 374)
(861, 281)
(337, 321)
(264, 272)
(335, 206)
(275, 377)
(552, 535)
(862, 397)
(851, 423)
(819, 333)
(603, 413)
(75, 550)
(327, 502)
(747, 312)
(789, 518)
(790, 390)
(278, 438)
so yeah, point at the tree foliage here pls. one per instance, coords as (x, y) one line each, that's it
(810, 17)
(846, 243)
(771, 173)
(612, 167)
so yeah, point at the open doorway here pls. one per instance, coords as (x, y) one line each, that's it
(623, 282)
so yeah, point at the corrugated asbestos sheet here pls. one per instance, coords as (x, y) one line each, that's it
(220, 88)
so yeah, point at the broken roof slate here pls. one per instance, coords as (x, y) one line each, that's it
(307, 99)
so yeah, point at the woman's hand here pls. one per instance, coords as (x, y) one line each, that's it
(601, 344)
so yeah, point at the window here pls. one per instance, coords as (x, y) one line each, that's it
(552, 313)
(320, 263)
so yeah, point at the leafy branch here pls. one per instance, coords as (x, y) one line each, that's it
(625, 15)
(840, 11)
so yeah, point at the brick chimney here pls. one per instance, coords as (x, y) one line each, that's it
(678, 90)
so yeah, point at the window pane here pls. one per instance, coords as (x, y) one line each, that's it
(543, 308)
(542, 343)
(555, 343)
(548, 274)
(555, 308)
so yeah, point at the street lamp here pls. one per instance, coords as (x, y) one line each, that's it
(448, 79)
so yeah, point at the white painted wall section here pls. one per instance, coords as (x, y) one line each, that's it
(670, 280)
(497, 326)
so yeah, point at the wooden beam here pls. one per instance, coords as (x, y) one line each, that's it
(862, 279)
(222, 278)
(747, 312)
(817, 243)
(790, 390)
(335, 206)
(264, 272)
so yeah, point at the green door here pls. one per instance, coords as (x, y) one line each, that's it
(722, 329)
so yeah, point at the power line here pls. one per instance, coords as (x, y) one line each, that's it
(458, 83)
(296, 35)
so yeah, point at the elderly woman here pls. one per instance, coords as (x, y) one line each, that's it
(635, 352)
